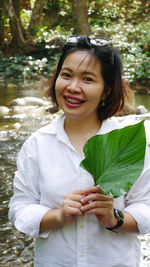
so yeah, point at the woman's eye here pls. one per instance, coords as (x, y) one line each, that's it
(88, 79)
(64, 74)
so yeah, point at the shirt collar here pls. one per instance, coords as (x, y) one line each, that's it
(56, 127)
(108, 125)
(53, 126)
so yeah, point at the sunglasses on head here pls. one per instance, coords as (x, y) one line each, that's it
(92, 41)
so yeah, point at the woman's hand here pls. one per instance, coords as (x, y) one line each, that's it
(89, 201)
(96, 202)
(72, 206)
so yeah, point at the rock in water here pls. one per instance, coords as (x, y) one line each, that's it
(141, 110)
(28, 101)
(4, 110)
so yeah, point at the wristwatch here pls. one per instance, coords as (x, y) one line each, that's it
(120, 217)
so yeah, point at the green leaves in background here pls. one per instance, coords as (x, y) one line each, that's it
(116, 159)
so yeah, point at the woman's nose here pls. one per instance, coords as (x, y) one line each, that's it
(74, 85)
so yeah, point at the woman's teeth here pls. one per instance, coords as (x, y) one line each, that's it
(74, 101)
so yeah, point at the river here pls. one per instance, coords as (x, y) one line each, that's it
(17, 248)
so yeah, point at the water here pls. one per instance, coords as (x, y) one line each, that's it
(17, 248)
(143, 100)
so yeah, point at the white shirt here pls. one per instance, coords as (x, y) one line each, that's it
(48, 168)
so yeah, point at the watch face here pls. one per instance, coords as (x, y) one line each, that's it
(119, 214)
(120, 217)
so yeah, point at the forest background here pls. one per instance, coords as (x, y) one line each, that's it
(32, 33)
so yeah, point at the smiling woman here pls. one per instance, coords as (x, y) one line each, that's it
(80, 86)
(55, 200)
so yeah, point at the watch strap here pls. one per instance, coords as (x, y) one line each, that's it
(120, 217)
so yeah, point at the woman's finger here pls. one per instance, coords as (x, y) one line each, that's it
(72, 211)
(96, 197)
(74, 195)
(97, 205)
(94, 189)
(71, 203)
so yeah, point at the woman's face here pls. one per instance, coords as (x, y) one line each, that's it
(80, 85)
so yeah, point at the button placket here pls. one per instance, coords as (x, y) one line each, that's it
(82, 241)
(82, 229)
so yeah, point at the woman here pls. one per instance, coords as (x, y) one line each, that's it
(55, 200)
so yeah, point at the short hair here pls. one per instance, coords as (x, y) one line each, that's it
(111, 70)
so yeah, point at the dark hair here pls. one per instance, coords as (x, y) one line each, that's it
(110, 61)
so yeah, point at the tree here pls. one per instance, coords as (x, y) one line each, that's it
(15, 23)
(36, 16)
(20, 39)
(1, 23)
(80, 9)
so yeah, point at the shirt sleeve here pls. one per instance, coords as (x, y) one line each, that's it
(138, 198)
(25, 210)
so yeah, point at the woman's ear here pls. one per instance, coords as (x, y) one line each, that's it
(108, 91)
(103, 97)
(105, 94)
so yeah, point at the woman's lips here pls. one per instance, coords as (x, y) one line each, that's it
(73, 101)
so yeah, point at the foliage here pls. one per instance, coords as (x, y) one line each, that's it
(58, 15)
(25, 17)
(121, 149)
(134, 45)
(26, 67)
(126, 22)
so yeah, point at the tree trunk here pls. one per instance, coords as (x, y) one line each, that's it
(36, 16)
(1, 23)
(16, 7)
(80, 9)
(15, 25)
(19, 40)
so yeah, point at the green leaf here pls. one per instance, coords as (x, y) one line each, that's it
(116, 159)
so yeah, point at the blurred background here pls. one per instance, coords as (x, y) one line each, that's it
(32, 33)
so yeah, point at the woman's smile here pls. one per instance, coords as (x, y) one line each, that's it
(73, 101)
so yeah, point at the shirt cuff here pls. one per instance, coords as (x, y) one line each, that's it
(29, 220)
(141, 214)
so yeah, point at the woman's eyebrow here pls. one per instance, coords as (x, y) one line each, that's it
(89, 73)
(65, 68)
